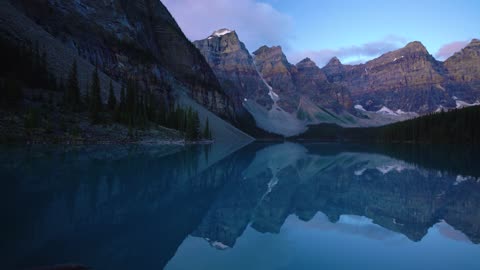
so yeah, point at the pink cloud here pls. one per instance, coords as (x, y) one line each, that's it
(256, 23)
(449, 49)
(352, 54)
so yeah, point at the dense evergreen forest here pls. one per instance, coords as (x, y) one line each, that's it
(458, 126)
(35, 99)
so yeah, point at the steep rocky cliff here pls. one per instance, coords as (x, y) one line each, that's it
(138, 39)
(408, 79)
(277, 72)
(464, 72)
(312, 83)
(303, 89)
(254, 100)
(464, 66)
(297, 83)
(234, 67)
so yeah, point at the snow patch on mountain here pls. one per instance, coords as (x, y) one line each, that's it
(462, 104)
(395, 60)
(275, 120)
(360, 108)
(220, 33)
(386, 110)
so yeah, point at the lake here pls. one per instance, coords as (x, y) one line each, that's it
(261, 206)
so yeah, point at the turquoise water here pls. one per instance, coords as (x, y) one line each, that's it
(264, 206)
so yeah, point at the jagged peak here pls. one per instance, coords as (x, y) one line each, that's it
(474, 42)
(266, 49)
(416, 46)
(334, 62)
(307, 62)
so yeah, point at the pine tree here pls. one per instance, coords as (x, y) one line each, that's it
(86, 97)
(13, 94)
(72, 95)
(196, 126)
(193, 125)
(122, 106)
(130, 103)
(112, 100)
(189, 128)
(207, 134)
(95, 106)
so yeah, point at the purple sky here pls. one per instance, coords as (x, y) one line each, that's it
(353, 30)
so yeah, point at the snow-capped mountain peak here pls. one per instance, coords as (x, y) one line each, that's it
(221, 32)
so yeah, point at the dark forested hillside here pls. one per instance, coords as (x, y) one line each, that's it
(459, 126)
(35, 106)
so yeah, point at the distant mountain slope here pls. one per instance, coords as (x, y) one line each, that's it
(411, 80)
(408, 79)
(282, 98)
(464, 73)
(303, 91)
(459, 126)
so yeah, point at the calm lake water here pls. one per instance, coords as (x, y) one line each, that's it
(264, 206)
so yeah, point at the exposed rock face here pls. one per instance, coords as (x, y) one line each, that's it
(464, 72)
(312, 83)
(132, 39)
(233, 65)
(277, 72)
(409, 79)
(464, 66)
(297, 91)
(335, 70)
(296, 85)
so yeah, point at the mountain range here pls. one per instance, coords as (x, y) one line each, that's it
(259, 93)
(396, 86)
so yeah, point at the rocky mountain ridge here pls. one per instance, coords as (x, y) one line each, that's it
(410, 79)
(301, 94)
(276, 93)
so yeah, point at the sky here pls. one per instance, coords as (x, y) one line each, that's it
(355, 31)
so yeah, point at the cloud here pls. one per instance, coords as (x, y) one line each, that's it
(449, 49)
(352, 54)
(256, 23)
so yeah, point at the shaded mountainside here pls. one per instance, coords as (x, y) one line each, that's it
(137, 39)
(136, 44)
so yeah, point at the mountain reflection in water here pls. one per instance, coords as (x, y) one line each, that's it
(147, 207)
